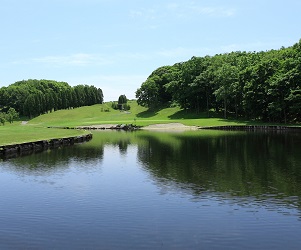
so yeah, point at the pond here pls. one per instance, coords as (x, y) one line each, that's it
(154, 190)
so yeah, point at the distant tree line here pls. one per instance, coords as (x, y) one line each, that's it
(35, 97)
(252, 85)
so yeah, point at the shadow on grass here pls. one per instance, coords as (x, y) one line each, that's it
(186, 114)
(148, 113)
(243, 121)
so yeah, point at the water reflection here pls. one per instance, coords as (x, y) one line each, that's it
(238, 162)
(259, 166)
(58, 159)
(252, 167)
(191, 190)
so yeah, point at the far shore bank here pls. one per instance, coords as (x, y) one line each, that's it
(162, 127)
(181, 127)
(255, 128)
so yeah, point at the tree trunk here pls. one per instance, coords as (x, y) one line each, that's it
(236, 108)
(207, 103)
(198, 104)
(225, 108)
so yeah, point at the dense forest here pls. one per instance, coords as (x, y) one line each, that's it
(35, 97)
(251, 85)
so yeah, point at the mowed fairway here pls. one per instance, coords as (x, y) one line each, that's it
(104, 114)
(36, 129)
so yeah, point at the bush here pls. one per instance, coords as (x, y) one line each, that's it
(126, 107)
(115, 105)
(2, 118)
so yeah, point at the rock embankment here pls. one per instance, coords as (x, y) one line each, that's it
(127, 127)
(255, 128)
(9, 151)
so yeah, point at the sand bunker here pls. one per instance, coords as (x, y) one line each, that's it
(170, 127)
(158, 127)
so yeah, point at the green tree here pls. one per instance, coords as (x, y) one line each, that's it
(114, 105)
(202, 86)
(30, 106)
(48, 95)
(226, 78)
(122, 100)
(2, 118)
(11, 115)
(147, 94)
(99, 96)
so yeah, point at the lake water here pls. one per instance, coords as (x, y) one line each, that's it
(152, 190)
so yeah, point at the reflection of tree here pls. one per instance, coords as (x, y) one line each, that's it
(243, 164)
(123, 146)
(58, 158)
(85, 154)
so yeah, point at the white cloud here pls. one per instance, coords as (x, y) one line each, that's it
(83, 59)
(146, 14)
(187, 10)
(213, 11)
(172, 6)
(80, 59)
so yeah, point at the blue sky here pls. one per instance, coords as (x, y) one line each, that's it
(116, 44)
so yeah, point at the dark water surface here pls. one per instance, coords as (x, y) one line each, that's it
(148, 190)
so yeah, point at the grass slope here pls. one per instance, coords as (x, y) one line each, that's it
(18, 133)
(93, 115)
(138, 115)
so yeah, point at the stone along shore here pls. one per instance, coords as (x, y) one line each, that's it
(13, 150)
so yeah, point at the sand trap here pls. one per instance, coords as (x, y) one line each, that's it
(157, 127)
(170, 127)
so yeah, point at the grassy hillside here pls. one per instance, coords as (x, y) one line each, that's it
(104, 114)
(101, 114)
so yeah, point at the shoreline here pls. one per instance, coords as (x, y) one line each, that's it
(159, 126)
(129, 127)
(163, 127)
(26, 148)
(254, 128)
(181, 127)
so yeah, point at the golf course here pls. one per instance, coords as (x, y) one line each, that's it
(37, 128)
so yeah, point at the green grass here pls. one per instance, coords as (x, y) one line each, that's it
(138, 115)
(36, 129)
(17, 133)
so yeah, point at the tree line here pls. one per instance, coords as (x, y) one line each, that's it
(262, 85)
(35, 97)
